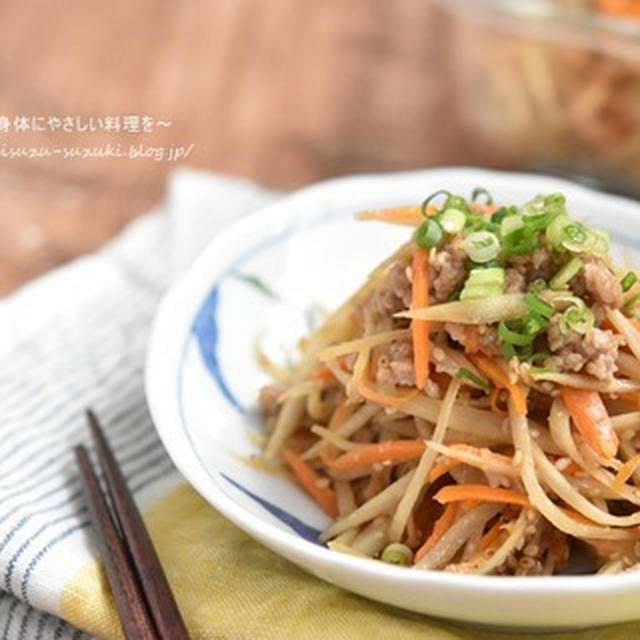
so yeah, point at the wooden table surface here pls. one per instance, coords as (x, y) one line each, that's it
(284, 92)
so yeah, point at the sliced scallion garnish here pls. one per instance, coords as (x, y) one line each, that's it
(463, 373)
(397, 553)
(513, 337)
(453, 220)
(520, 242)
(482, 246)
(537, 286)
(433, 196)
(630, 303)
(628, 281)
(538, 305)
(510, 223)
(580, 238)
(566, 274)
(429, 234)
(483, 283)
(481, 191)
(578, 318)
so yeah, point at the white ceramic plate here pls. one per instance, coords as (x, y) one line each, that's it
(266, 276)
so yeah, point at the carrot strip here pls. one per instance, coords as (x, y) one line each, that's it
(410, 215)
(440, 469)
(442, 524)
(628, 8)
(491, 536)
(472, 339)
(591, 419)
(467, 505)
(632, 397)
(481, 492)
(312, 483)
(499, 377)
(625, 472)
(382, 398)
(420, 328)
(572, 468)
(321, 374)
(363, 456)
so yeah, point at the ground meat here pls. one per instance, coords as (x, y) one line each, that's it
(597, 284)
(515, 281)
(268, 399)
(474, 338)
(540, 263)
(391, 296)
(395, 365)
(448, 270)
(596, 352)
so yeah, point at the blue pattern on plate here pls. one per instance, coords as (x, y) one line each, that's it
(302, 529)
(205, 328)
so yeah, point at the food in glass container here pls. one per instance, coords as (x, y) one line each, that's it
(551, 85)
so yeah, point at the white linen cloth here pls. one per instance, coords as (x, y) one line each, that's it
(77, 338)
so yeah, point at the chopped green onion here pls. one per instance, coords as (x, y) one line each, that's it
(483, 283)
(463, 373)
(487, 265)
(579, 238)
(397, 553)
(556, 203)
(498, 216)
(538, 223)
(477, 222)
(513, 337)
(428, 235)
(547, 362)
(435, 194)
(520, 242)
(538, 305)
(534, 324)
(518, 336)
(482, 246)
(453, 220)
(543, 209)
(631, 302)
(578, 318)
(628, 281)
(510, 223)
(575, 234)
(566, 273)
(599, 242)
(555, 229)
(481, 191)
(537, 286)
(534, 208)
(507, 351)
(456, 202)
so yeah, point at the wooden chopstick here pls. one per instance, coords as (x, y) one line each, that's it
(134, 615)
(162, 605)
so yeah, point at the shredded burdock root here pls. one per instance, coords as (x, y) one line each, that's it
(475, 406)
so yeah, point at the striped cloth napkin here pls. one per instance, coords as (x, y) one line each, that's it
(77, 338)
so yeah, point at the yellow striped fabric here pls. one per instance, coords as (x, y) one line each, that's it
(230, 587)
